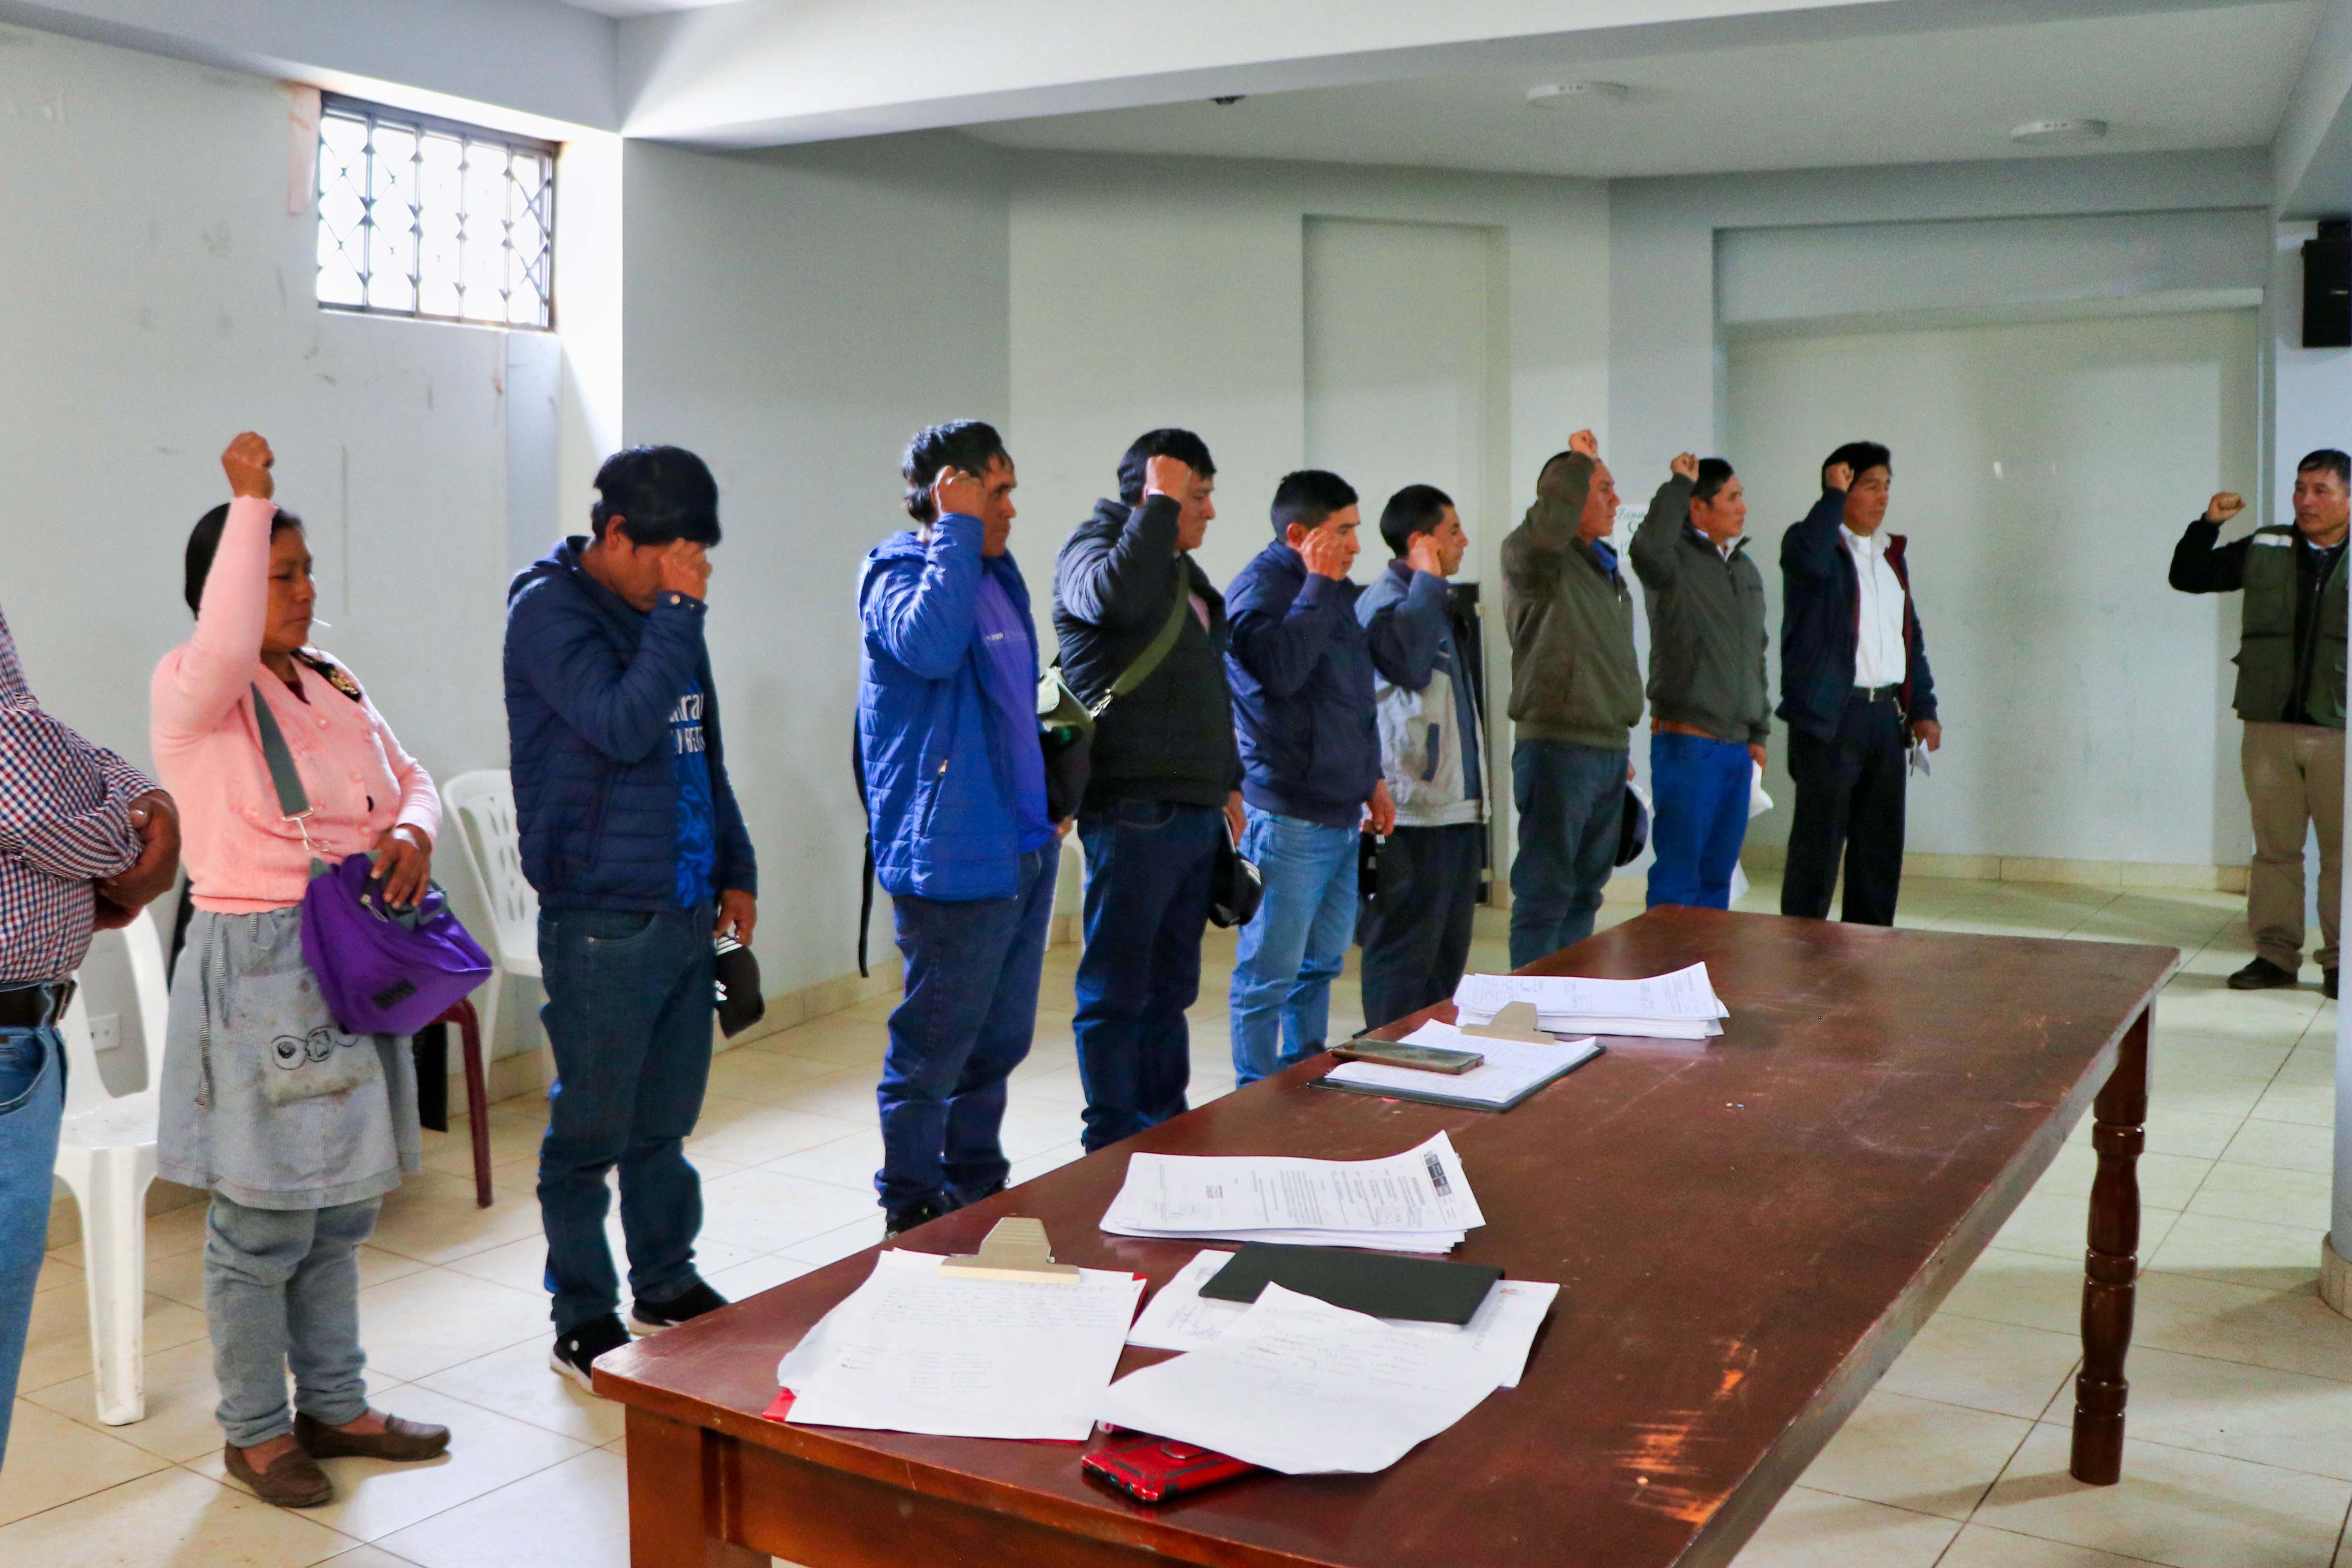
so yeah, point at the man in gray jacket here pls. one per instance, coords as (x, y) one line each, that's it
(1575, 691)
(1416, 922)
(1709, 715)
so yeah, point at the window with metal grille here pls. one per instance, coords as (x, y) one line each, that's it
(432, 219)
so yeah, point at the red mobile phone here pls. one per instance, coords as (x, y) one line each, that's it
(1153, 1469)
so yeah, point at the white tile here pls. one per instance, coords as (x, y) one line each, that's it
(847, 1161)
(1915, 1454)
(1816, 1530)
(486, 1451)
(2057, 1223)
(2165, 1181)
(53, 1459)
(1981, 1546)
(2032, 1289)
(432, 1217)
(836, 1244)
(182, 1395)
(2173, 1505)
(766, 1211)
(2240, 1251)
(2289, 1146)
(518, 1383)
(174, 1517)
(428, 1322)
(2284, 1419)
(744, 1280)
(1998, 1367)
(57, 1341)
(576, 1513)
(2266, 1193)
(2291, 1329)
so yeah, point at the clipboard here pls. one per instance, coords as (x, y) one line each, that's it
(1515, 1021)
(1013, 1249)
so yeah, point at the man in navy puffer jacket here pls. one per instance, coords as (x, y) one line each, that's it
(630, 833)
(955, 790)
(1301, 668)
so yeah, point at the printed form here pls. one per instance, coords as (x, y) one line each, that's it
(1419, 1201)
(912, 1350)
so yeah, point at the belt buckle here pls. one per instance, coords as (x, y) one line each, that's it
(61, 997)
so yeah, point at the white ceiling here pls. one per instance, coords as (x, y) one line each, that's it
(642, 8)
(2215, 76)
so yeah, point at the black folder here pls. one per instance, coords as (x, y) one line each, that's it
(1383, 1284)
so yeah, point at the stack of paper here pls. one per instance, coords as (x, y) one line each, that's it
(1500, 1333)
(1678, 1006)
(1304, 1387)
(1513, 1070)
(913, 1350)
(1418, 1201)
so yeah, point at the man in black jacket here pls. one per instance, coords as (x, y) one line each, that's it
(1165, 774)
(1854, 688)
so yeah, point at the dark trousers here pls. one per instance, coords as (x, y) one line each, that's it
(968, 1014)
(629, 1003)
(1148, 868)
(1850, 806)
(1416, 922)
(1702, 785)
(1571, 801)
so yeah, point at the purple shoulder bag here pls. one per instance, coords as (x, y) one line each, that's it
(380, 971)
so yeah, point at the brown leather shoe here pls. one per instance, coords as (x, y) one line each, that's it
(400, 1439)
(292, 1480)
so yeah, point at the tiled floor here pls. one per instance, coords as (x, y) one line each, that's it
(2241, 1452)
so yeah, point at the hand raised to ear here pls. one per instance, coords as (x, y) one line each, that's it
(955, 490)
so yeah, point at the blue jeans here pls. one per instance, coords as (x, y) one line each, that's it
(629, 1003)
(1701, 789)
(970, 1011)
(1571, 801)
(32, 1102)
(1148, 865)
(1295, 946)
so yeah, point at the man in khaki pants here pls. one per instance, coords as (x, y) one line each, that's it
(2291, 694)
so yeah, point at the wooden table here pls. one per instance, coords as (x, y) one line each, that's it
(1746, 1235)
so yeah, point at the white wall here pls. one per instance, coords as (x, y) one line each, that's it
(160, 301)
(794, 317)
(2042, 473)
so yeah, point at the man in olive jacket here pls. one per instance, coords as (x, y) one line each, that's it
(1709, 716)
(2291, 657)
(1576, 690)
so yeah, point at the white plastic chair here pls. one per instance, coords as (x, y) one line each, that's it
(106, 1156)
(482, 804)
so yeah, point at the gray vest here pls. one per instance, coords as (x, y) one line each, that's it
(2266, 651)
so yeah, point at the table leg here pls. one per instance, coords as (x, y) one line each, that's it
(2111, 1265)
(674, 1498)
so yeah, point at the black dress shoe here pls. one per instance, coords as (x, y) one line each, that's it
(906, 1219)
(2262, 974)
(2327, 983)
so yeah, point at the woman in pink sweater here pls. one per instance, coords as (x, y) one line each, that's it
(298, 1127)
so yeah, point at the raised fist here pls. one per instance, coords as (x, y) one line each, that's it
(246, 463)
(2225, 507)
(1584, 441)
(1685, 466)
(1838, 477)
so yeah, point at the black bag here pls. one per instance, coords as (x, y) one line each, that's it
(1633, 829)
(1065, 722)
(1236, 887)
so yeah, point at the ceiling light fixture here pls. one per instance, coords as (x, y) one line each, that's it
(1228, 100)
(2047, 133)
(1551, 95)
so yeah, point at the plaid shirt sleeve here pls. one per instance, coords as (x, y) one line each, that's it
(64, 823)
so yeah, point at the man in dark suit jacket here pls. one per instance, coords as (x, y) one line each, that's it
(1854, 690)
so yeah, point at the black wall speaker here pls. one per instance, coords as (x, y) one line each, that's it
(2327, 287)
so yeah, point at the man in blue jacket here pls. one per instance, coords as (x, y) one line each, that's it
(630, 833)
(955, 790)
(1854, 688)
(1301, 670)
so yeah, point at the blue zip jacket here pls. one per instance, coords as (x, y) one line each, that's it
(590, 685)
(1820, 618)
(938, 782)
(1301, 671)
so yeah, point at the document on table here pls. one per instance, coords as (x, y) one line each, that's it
(1513, 1069)
(912, 1350)
(1303, 1387)
(1419, 1201)
(1501, 1333)
(1681, 1005)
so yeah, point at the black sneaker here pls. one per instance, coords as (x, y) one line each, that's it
(652, 1317)
(2262, 974)
(576, 1352)
(906, 1219)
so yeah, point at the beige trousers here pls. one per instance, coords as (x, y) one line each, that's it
(2295, 781)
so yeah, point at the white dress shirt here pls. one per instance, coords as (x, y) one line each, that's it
(1878, 653)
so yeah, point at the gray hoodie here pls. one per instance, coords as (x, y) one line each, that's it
(1430, 744)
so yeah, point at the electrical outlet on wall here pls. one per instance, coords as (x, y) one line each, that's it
(106, 1031)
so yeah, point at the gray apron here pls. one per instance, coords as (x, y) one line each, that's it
(266, 1099)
